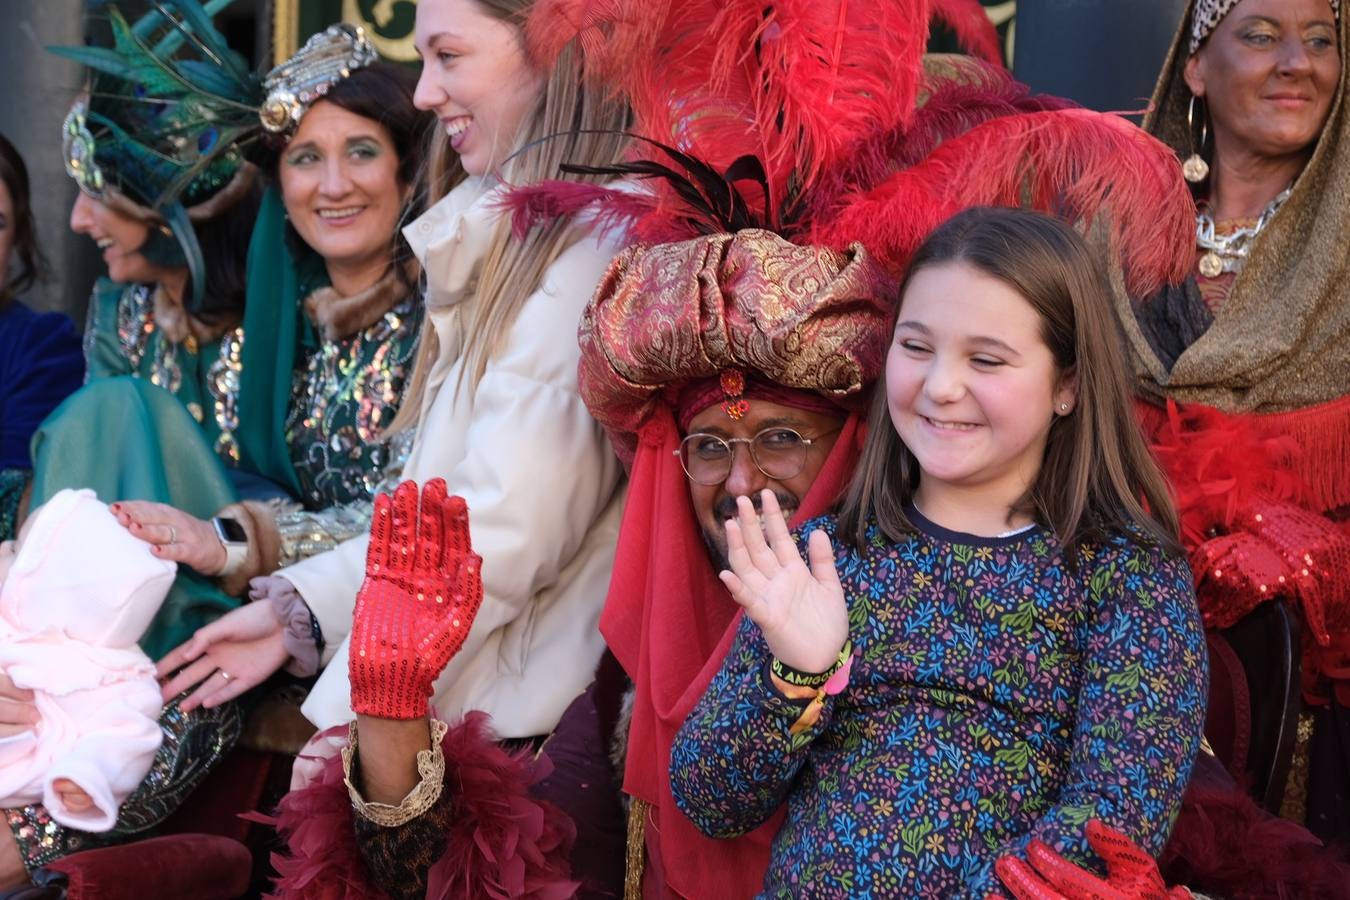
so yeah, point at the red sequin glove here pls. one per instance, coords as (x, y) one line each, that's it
(1131, 874)
(422, 590)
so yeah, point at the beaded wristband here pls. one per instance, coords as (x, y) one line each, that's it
(813, 680)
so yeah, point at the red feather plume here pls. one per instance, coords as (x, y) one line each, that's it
(1219, 464)
(1073, 162)
(970, 23)
(604, 207)
(795, 83)
(958, 93)
(611, 34)
(852, 140)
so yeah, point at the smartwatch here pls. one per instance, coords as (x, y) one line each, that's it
(234, 539)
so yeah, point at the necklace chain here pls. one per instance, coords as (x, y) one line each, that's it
(1228, 252)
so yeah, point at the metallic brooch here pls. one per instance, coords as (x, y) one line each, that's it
(77, 149)
(327, 58)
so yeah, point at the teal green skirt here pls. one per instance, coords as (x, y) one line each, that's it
(127, 439)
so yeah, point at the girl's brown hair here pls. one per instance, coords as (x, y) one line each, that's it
(572, 121)
(1098, 478)
(32, 266)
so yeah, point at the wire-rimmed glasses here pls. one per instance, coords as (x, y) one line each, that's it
(778, 452)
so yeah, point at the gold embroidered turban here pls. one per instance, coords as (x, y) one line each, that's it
(666, 316)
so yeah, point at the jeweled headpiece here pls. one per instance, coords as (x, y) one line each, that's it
(164, 123)
(1209, 13)
(163, 112)
(324, 60)
(171, 114)
(77, 149)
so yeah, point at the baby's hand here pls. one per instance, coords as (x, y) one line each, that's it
(75, 800)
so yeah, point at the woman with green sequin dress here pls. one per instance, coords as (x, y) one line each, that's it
(332, 324)
(274, 414)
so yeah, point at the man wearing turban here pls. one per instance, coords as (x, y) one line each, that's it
(721, 366)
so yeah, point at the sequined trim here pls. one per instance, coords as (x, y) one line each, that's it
(304, 533)
(222, 383)
(194, 743)
(135, 322)
(345, 397)
(135, 331)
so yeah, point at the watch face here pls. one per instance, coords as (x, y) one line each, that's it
(231, 531)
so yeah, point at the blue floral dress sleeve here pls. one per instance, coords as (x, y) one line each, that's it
(735, 758)
(1140, 705)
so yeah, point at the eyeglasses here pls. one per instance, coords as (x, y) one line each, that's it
(778, 452)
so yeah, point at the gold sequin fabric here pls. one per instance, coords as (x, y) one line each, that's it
(343, 399)
(204, 376)
(1280, 341)
(194, 743)
(807, 318)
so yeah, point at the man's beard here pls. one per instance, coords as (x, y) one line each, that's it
(724, 509)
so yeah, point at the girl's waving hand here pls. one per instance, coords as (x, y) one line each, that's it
(800, 610)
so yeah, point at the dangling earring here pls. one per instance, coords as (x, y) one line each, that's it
(1195, 169)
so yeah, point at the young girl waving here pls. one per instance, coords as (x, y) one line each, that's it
(1005, 644)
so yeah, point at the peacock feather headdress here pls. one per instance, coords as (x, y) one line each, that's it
(171, 115)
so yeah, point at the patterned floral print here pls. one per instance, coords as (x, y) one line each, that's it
(996, 695)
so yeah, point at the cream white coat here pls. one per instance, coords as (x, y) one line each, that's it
(544, 489)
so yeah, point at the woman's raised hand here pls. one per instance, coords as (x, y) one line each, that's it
(173, 534)
(422, 591)
(801, 611)
(222, 660)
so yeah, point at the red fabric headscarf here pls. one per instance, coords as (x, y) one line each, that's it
(803, 326)
(670, 622)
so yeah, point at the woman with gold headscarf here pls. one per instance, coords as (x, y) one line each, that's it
(1243, 372)
(1246, 366)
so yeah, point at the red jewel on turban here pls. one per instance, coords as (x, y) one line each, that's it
(733, 386)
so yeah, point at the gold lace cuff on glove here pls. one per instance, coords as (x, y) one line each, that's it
(423, 796)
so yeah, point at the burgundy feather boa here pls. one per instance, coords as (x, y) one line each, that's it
(502, 843)
(1226, 845)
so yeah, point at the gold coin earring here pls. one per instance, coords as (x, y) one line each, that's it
(1195, 169)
